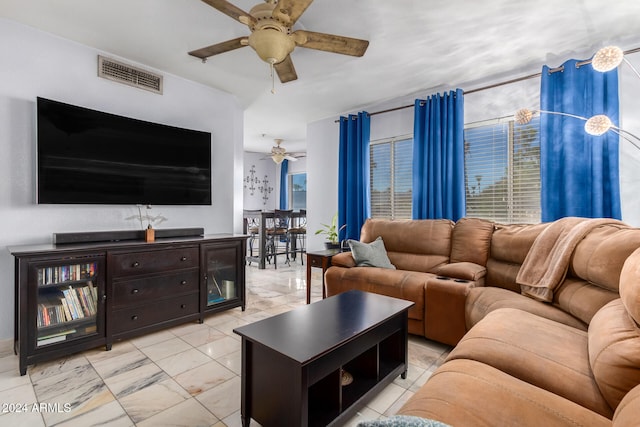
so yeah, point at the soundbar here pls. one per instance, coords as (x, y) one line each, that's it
(120, 235)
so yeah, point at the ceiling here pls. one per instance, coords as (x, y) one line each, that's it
(415, 45)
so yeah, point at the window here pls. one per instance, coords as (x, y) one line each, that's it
(502, 171)
(298, 191)
(390, 171)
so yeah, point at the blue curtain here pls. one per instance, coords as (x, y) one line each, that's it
(578, 172)
(353, 174)
(438, 157)
(284, 191)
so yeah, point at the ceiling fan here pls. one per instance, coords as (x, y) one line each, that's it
(278, 153)
(272, 38)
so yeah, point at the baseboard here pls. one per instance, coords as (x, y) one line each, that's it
(6, 347)
(120, 235)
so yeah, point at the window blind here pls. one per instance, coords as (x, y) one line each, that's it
(391, 178)
(502, 171)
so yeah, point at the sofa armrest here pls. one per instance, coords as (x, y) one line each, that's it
(444, 305)
(343, 259)
(462, 270)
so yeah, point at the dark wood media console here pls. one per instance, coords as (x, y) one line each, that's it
(74, 297)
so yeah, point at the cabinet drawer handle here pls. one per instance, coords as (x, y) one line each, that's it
(184, 282)
(135, 264)
(134, 291)
(184, 258)
(183, 305)
(134, 317)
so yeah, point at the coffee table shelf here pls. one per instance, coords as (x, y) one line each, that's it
(292, 363)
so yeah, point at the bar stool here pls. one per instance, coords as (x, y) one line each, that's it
(298, 235)
(278, 233)
(252, 227)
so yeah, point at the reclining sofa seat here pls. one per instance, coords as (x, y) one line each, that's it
(441, 268)
(421, 251)
(517, 368)
(591, 281)
(414, 247)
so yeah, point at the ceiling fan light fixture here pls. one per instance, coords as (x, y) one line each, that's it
(272, 46)
(278, 158)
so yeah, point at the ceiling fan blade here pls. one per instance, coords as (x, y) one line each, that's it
(235, 12)
(330, 43)
(286, 71)
(217, 48)
(291, 158)
(290, 10)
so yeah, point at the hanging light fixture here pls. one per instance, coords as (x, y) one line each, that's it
(524, 115)
(596, 126)
(609, 58)
(605, 59)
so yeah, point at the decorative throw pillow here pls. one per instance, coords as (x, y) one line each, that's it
(402, 421)
(371, 254)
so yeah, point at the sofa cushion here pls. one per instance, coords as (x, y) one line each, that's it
(627, 412)
(466, 393)
(343, 259)
(483, 300)
(370, 254)
(408, 285)
(630, 285)
(509, 247)
(462, 270)
(614, 351)
(542, 352)
(415, 245)
(581, 298)
(599, 257)
(471, 240)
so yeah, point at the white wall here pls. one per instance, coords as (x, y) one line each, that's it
(34, 64)
(323, 139)
(630, 155)
(265, 172)
(269, 170)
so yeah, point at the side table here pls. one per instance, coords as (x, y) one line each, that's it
(319, 259)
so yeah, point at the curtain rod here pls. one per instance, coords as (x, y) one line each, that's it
(506, 82)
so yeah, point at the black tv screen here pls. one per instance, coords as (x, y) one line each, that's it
(91, 157)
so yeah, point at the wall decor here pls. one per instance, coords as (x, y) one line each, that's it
(251, 180)
(265, 190)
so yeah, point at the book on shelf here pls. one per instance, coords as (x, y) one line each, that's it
(66, 273)
(82, 296)
(57, 337)
(65, 307)
(51, 340)
(68, 296)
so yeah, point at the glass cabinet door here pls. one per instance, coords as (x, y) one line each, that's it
(224, 275)
(67, 300)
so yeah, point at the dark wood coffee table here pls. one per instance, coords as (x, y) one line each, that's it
(292, 363)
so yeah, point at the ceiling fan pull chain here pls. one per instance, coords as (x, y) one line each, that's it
(273, 80)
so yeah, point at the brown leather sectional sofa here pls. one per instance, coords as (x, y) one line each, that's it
(572, 359)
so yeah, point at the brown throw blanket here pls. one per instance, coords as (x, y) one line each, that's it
(547, 262)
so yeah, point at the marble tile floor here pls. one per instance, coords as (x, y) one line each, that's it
(188, 375)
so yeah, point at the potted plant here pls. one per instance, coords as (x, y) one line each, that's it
(331, 231)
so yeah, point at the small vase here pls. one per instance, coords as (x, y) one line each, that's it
(149, 235)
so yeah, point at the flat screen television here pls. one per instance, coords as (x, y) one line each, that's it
(92, 157)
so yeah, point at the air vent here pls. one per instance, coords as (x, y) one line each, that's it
(123, 73)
